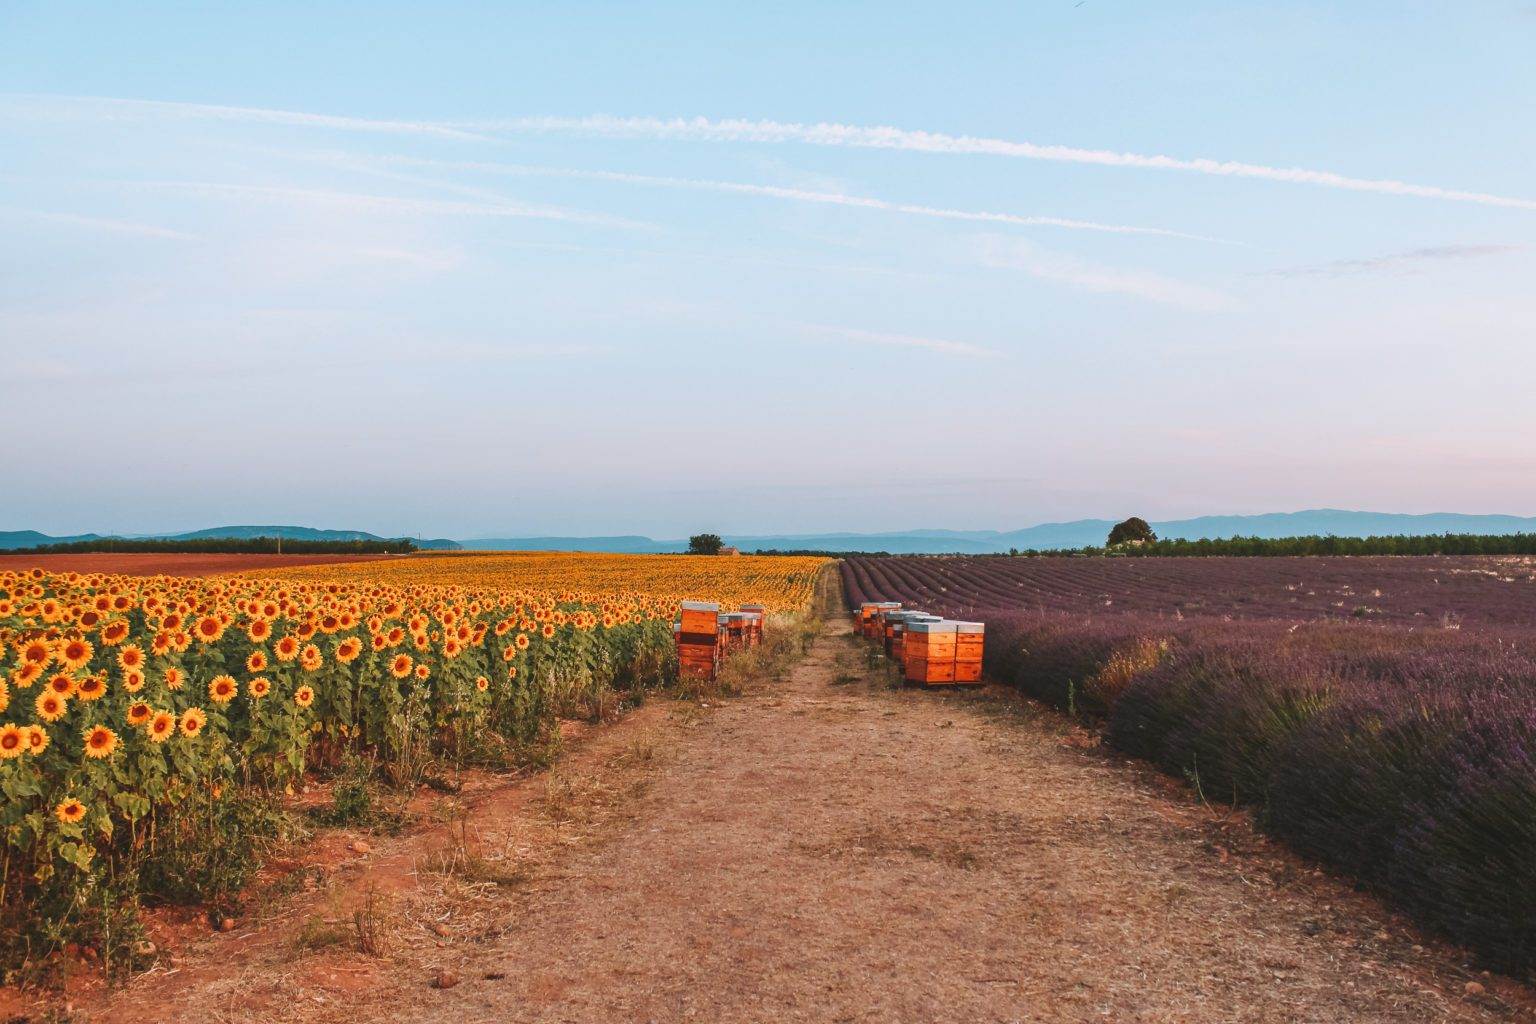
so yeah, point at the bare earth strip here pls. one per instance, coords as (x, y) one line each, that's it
(828, 849)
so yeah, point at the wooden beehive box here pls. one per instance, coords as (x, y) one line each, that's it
(970, 643)
(928, 652)
(700, 617)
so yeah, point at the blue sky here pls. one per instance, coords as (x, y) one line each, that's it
(502, 269)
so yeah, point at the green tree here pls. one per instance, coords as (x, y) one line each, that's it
(1133, 531)
(705, 544)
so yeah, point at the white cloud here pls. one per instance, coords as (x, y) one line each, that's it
(1398, 261)
(825, 134)
(955, 348)
(98, 223)
(1075, 272)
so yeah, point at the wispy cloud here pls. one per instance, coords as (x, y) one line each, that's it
(826, 134)
(117, 109)
(98, 223)
(955, 348)
(1398, 261)
(381, 204)
(1075, 272)
(780, 192)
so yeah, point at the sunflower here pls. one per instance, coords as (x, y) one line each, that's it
(258, 631)
(37, 739)
(310, 658)
(482, 684)
(257, 662)
(548, 631)
(13, 741)
(522, 641)
(139, 712)
(75, 653)
(100, 741)
(161, 644)
(287, 648)
(422, 672)
(223, 689)
(69, 810)
(131, 656)
(91, 688)
(37, 652)
(28, 674)
(258, 687)
(192, 722)
(400, 667)
(62, 684)
(208, 629)
(133, 681)
(348, 650)
(511, 671)
(304, 696)
(50, 706)
(161, 725)
(174, 678)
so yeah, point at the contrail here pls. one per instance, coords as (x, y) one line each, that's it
(824, 134)
(377, 203)
(131, 109)
(801, 195)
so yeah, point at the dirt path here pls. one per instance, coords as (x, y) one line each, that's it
(829, 849)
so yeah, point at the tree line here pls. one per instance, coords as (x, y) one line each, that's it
(224, 546)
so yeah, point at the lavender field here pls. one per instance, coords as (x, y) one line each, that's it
(1377, 713)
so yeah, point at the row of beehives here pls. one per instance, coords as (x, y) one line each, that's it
(705, 636)
(931, 649)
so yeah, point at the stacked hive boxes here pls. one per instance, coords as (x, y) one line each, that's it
(757, 617)
(970, 638)
(928, 652)
(871, 617)
(931, 650)
(698, 640)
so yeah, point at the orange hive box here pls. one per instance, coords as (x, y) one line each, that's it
(970, 641)
(928, 652)
(698, 640)
(874, 622)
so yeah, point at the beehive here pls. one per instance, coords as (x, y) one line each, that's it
(970, 641)
(758, 618)
(928, 651)
(874, 623)
(699, 640)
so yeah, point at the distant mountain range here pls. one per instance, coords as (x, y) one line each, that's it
(13, 539)
(1046, 536)
(1053, 536)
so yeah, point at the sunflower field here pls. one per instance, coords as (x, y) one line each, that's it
(149, 726)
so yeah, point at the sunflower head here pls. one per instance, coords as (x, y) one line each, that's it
(69, 810)
(259, 687)
(139, 712)
(222, 689)
(100, 741)
(192, 722)
(161, 725)
(37, 739)
(13, 741)
(304, 696)
(50, 706)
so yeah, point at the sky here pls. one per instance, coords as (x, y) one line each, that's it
(505, 269)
